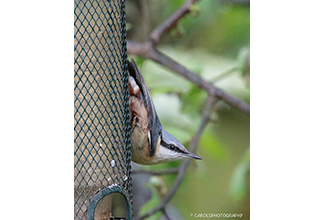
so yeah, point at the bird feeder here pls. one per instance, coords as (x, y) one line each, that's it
(102, 150)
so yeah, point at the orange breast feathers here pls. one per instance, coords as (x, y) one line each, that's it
(139, 122)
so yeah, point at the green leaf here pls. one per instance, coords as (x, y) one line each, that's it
(169, 110)
(211, 144)
(238, 186)
(193, 101)
(195, 10)
(139, 61)
(128, 26)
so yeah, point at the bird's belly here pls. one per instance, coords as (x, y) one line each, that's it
(139, 145)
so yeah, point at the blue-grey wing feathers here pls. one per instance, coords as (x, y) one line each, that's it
(154, 124)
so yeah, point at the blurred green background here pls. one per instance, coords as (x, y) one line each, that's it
(213, 41)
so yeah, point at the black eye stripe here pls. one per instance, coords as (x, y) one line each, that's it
(174, 148)
(171, 147)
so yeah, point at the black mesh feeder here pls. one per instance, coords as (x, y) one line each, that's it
(102, 154)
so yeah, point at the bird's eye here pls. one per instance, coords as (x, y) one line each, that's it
(172, 147)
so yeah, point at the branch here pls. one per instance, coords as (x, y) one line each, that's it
(183, 167)
(146, 50)
(171, 22)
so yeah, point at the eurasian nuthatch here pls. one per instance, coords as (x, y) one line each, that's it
(151, 143)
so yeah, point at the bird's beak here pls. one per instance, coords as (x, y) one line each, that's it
(194, 156)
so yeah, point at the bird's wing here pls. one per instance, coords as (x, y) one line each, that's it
(154, 124)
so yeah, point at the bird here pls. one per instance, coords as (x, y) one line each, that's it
(150, 143)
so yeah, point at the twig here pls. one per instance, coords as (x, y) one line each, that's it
(146, 50)
(183, 167)
(156, 173)
(224, 74)
(171, 22)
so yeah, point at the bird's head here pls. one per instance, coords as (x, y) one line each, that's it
(171, 149)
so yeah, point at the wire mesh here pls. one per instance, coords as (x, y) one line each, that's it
(102, 145)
